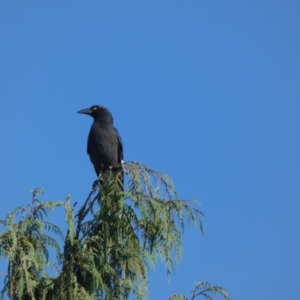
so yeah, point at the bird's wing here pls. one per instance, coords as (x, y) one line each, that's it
(120, 147)
(88, 144)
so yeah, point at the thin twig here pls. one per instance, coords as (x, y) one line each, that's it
(83, 212)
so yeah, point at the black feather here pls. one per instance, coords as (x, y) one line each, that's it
(104, 146)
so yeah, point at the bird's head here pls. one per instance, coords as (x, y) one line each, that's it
(99, 113)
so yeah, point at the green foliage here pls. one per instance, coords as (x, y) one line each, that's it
(110, 244)
(26, 248)
(204, 289)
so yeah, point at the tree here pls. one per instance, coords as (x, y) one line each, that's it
(110, 243)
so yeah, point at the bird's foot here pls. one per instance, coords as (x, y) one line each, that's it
(100, 177)
(96, 184)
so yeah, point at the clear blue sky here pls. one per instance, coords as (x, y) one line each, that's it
(205, 91)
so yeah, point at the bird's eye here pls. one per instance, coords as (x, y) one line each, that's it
(95, 107)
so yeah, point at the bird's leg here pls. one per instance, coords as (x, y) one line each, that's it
(99, 180)
(96, 182)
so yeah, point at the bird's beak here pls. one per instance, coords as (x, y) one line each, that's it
(86, 111)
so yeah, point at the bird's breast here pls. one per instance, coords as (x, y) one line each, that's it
(103, 147)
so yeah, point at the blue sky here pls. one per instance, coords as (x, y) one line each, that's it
(205, 91)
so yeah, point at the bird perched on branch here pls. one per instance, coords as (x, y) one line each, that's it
(104, 145)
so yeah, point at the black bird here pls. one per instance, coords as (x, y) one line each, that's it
(104, 145)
